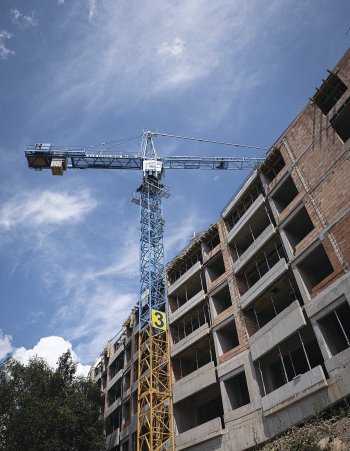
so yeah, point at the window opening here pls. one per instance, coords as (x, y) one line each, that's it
(285, 194)
(237, 390)
(298, 228)
(329, 93)
(221, 300)
(227, 337)
(341, 120)
(272, 166)
(335, 328)
(315, 267)
(216, 268)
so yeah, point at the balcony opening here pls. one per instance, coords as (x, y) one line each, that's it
(127, 354)
(126, 381)
(187, 291)
(273, 301)
(335, 328)
(227, 337)
(128, 331)
(215, 268)
(116, 366)
(261, 219)
(104, 380)
(341, 120)
(298, 227)
(135, 368)
(134, 403)
(244, 204)
(285, 194)
(329, 93)
(126, 414)
(98, 370)
(237, 391)
(190, 322)
(221, 300)
(125, 446)
(272, 166)
(315, 267)
(291, 358)
(193, 358)
(113, 421)
(114, 393)
(260, 264)
(118, 344)
(211, 243)
(185, 263)
(198, 409)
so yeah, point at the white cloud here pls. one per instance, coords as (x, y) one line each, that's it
(50, 349)
(102, 316)
(22, 20)
(176, 48)
(92, 9)
(151, 57)
(4, 51)
(45, 208)
(60, 2)
(5, 344)
(97, 294)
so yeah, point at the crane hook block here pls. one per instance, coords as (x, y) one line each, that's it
(58, 165)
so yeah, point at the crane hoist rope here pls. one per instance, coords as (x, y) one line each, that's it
(155, 430)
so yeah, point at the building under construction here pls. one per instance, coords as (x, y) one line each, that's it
(259, 303)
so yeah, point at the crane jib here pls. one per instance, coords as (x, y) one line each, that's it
(59, 161)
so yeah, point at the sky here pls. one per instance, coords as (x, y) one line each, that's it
(85, 72)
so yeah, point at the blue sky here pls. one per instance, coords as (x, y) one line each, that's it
(82, 72)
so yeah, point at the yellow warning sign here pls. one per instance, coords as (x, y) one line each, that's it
(158, 319)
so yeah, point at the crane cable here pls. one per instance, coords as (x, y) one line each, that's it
(209, 141)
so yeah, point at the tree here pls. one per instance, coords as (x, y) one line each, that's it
(46, 409)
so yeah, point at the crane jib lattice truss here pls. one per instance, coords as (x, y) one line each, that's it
(155, 430)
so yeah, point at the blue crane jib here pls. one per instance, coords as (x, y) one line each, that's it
(58, 160)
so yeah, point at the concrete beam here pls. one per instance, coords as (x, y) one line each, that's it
(247, 215)
(262, 284)
(254, 247)
(236, 198)
(190, 272)
(326, 299)
(190, 340)
(199, 434)
(116, 354)
(114, 379)
(278, 329)
(194, 382)
(113, 439)
(300, 387)
(112, 408)
(189, 305)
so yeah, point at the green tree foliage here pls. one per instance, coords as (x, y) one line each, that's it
(46, 409)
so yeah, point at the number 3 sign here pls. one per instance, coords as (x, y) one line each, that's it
(158, 319)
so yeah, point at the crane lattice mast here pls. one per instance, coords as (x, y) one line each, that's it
(155, 430)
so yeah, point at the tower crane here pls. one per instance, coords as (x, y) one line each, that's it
(155, 415)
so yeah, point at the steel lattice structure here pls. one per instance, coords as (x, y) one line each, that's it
(155, 415)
